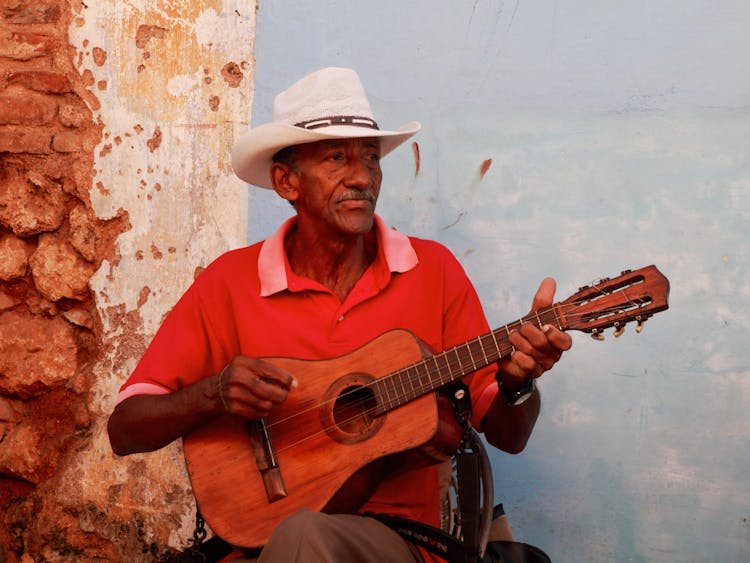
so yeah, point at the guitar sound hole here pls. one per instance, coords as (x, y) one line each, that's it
(353, 410)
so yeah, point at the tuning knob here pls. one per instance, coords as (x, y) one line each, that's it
(639, 324)
(596, 335)
(619, 329)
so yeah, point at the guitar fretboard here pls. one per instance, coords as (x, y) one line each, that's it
(415, 380)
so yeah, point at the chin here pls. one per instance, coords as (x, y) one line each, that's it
(359, 226)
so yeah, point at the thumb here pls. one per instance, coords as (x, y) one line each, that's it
(544, 295)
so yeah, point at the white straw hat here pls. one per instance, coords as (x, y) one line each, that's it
(328, 104)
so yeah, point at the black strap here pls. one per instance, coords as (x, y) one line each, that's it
(467, 476)
(432, 539)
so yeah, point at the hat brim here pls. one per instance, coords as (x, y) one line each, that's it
(253, 152)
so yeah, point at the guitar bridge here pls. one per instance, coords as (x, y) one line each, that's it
(265, 458)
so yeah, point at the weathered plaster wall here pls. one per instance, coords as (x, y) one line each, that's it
(115, 189)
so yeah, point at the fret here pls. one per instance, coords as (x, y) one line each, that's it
(538, 320)
(557, 319)
(446, 372)
(437, 368)
(507, 329)
(471, 357)
(497, 346)
(411, 384)
(458, 358)
(425, 383)
(398, 378)
(382, 386)
(484, 353)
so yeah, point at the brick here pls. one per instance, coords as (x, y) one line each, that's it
(68, 141)
(59, 271)
(33, 140)
(74, 113)
(24, 46)
(14, 259)
(35, 354)
(17, 109)
(42, 81)
(30, 12)
(30, 203)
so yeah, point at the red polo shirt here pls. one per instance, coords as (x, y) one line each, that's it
(250, 302)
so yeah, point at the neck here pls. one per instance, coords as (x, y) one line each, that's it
(335, 262)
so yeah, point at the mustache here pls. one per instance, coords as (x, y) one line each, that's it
(366, 194)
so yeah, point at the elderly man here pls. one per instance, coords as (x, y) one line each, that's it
(331, 280)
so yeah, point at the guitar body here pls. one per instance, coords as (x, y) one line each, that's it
(330, 455)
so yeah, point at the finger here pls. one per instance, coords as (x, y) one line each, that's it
(535, 343)
(520, 366)
(252, 397)
(532, 341)
(544, 295)
(267, 371)
(562, 341)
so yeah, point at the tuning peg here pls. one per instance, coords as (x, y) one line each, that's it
(596, 335)
(639, 324)
(619, 329)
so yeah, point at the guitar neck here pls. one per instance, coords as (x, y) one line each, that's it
(415, 380)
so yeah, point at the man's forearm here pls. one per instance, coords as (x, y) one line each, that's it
(145, 423)
(509, 427)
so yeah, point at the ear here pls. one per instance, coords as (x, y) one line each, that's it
(284, 181)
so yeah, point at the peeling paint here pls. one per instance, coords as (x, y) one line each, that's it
(164, 161)
(155, 141)
(232, 74)
(485, 167)
(147, 32)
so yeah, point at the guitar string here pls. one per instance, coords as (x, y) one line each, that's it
(451, 368)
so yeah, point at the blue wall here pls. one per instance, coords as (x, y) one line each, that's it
(619, 134)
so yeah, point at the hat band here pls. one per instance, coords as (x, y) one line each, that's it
(338, 120)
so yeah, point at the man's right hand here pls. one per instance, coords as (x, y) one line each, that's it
(251, 387)
(245, 387)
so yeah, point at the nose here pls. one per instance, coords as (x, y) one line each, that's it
(360, 173)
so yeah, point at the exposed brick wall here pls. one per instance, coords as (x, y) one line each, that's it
(51, 243)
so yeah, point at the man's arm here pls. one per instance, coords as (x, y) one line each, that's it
(536, 350)
(245, 387)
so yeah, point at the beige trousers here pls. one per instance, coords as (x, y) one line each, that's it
(307, 536)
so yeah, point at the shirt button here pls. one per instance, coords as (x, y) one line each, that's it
(341, 318)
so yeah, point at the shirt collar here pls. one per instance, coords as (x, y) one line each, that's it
(272, 260)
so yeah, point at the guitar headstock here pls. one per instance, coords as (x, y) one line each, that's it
(635, 295)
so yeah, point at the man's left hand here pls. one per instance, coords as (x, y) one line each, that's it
(536, 349)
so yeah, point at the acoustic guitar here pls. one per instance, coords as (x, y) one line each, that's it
(354, 418)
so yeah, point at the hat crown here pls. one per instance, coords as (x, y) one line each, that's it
(328, 92)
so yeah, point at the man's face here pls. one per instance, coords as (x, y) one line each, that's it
(337, 184)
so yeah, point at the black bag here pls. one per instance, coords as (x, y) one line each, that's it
(513, 552)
